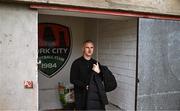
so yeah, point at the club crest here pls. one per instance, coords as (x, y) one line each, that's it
(54, 46)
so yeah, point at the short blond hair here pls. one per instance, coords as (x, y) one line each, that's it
(88, 41)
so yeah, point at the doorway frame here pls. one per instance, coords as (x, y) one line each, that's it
(113, 13)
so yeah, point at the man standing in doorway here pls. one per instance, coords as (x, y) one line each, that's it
(87, 79)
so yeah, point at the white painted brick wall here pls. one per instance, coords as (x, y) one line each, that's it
(117, 50)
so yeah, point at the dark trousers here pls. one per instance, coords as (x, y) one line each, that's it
(95, 105)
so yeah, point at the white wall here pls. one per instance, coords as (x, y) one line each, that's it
(117, 50)
(48, 86)
(91, 33)
(18, 57)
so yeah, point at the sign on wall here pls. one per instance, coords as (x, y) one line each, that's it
(53, 48)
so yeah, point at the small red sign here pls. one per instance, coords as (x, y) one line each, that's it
(28, 84)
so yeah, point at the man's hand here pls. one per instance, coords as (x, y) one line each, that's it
(96, 68)
(87, 87)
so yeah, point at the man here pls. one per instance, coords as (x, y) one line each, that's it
(87, 78)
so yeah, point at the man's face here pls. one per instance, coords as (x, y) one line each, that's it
(88, 49)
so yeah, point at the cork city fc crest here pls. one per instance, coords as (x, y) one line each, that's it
(54, 47)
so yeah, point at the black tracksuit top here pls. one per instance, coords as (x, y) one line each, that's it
(80, 75)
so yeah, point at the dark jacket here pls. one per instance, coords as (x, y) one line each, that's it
(80, 74)
(108, 79)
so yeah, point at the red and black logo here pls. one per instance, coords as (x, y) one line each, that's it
(54, 46)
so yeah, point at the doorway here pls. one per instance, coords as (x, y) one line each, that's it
(116, 43)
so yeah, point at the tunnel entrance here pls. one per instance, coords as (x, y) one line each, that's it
(115, 40)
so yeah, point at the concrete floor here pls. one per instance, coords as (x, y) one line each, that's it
(112, 107)
(109, 107)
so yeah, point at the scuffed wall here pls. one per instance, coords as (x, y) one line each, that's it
(170, 7)
(18, 58)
